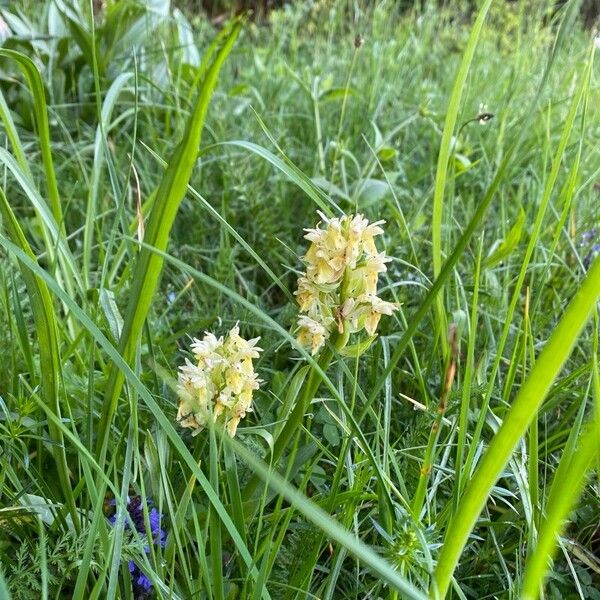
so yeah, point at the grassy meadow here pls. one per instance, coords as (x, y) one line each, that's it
(159, 170)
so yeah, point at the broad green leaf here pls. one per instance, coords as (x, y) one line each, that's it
(370, 191)
(336, 94)
(386, 153)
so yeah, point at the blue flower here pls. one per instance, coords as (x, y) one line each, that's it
(141, 583)
(158, 535)
(590, 240)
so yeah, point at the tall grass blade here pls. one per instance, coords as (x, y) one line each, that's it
(550, 182)
(169, 195)
(564, 493)
(294, 174)
(519, 416)
(162, 421)
(108, 106)
(13, 137)
(40, 108)
(47, 337)
(441, 174)
(377, 564)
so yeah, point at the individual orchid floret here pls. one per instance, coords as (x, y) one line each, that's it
(339, 288)
(312, 334)
(219, 383)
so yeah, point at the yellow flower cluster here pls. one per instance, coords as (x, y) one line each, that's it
(339, 288)
(219, 383)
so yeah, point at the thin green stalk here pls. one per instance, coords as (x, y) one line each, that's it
(533, 241)
(169, 196)
(441, 173)
(318, 130)
(434, 435)
(343, 115)
(162, 421)
(216, 546)
(533, 434)
(465, 401)
(324, 521)
(294, 421)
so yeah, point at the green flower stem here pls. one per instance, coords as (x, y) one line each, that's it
(294, 421)
(434, 435)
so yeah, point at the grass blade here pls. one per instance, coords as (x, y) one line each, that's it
(570, 476)
(40, 107)
(441, 173)
(327, 524)
(522, 411)
(169, 195)
(47, 337)
(162, 421)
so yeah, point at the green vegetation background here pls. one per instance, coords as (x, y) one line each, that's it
(297, 102)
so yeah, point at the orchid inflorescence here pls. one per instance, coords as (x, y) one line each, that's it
(219, 383)
(338, 291)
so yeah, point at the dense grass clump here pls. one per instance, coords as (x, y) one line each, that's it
(423, 418)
